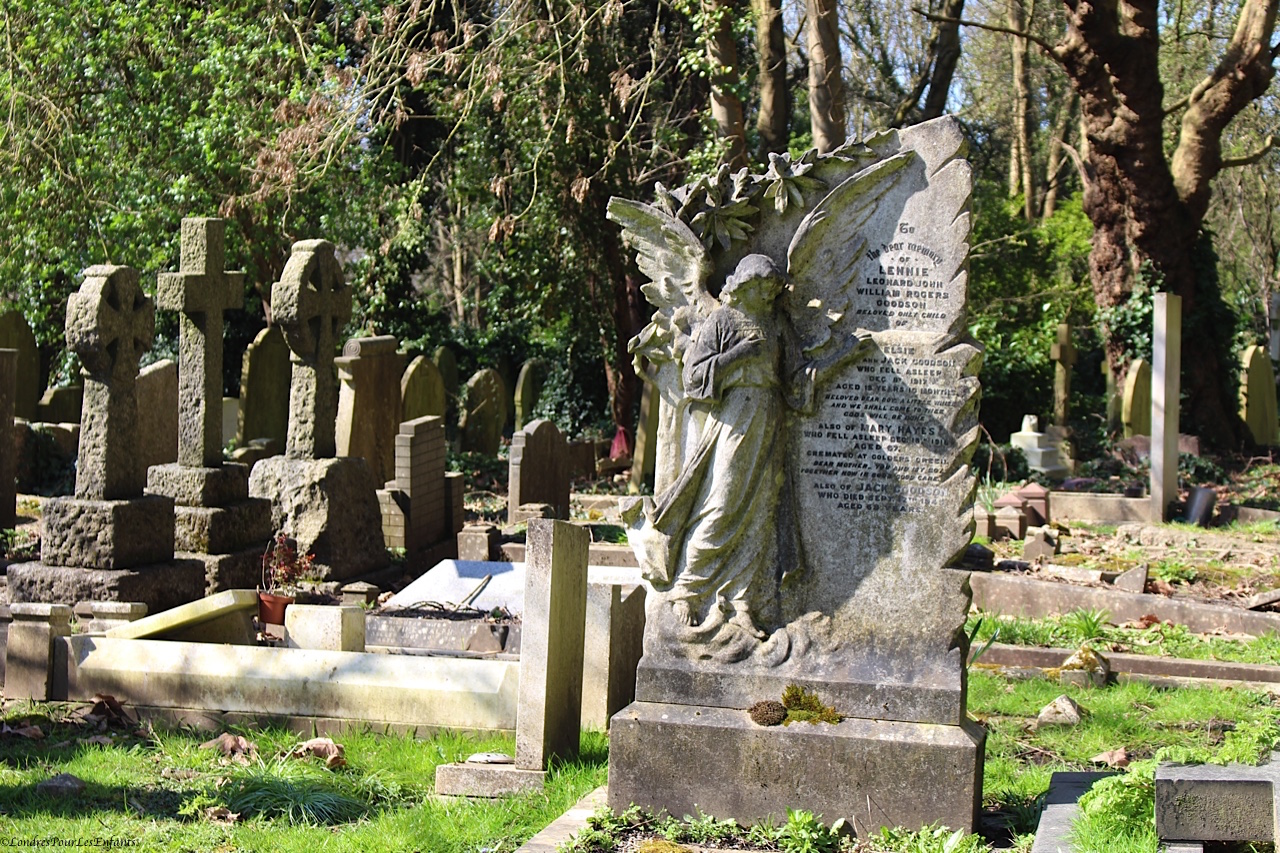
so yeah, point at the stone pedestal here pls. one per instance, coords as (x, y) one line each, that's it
(330, 506)
(872, 773)
(29, 651)
(159, 586)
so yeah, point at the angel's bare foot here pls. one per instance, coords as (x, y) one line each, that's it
(682, 611)
(742, 618)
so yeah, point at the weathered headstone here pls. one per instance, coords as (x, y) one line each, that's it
(216, 522)
(264, 388)
(8, 449)
(416, 504)
(1166, 386)
(15, 334)
(1135, 406)
(820, 488)
(158, 407)
(549, 713)
(422, 390)
(369, 402)
(1274, 323)
(644, 459)
(62, 405)
(1063, 354)
(486, 413)
(110, 541)
(1258, 396)
(329, 505)
(447, 363)
(528, 390)
(538, 471)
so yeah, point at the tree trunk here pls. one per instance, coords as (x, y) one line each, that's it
(946, 51)
(826, 88)
(771, 45)
(1018, 18)
(1053, 168)
(1144, 211)
(726, 106)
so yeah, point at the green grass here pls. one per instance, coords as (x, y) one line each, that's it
(1078, 628)
(155, 790)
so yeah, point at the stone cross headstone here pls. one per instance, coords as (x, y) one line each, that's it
(1063, 354)
(329, 505)
(1135, 403)
(824, 411)
(110, 323)
(216, 523)
(200, 292)
(1166, 385)
(8, 450)
(422, 390)
(15, 334)
(311, 303)
(1258, 396)
(538, 471)
(111, 541)
(486, 412)
(264, 389)
(369, 402)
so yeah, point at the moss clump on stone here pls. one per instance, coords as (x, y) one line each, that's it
(803, 706)
(661, 846)
(768, 713)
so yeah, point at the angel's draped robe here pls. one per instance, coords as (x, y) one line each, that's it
(720, 515)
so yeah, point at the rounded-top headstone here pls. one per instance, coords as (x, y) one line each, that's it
(486, 412)
(422, 390)
(447, 362)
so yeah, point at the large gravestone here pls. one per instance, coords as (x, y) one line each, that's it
(15, 334)
(329, 505)
(813, 483)
(110, 541)
(264, 389)
(538, 471)
(1258, 396)
(216, 523)
(485, 415)
(369, 402)
(422, 390)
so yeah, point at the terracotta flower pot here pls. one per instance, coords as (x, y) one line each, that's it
(271, 607)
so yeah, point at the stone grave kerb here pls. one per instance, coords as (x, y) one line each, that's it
(311, 303)
(200, 291)
(110, 323)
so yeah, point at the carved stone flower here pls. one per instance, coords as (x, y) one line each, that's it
(787, 181)
(728, 206)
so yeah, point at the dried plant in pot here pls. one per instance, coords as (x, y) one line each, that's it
(282, 567)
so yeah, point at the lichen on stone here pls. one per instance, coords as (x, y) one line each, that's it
(768, 713)
(805, 707)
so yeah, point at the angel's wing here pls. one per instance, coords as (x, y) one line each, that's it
(827, 247)
(669, 253)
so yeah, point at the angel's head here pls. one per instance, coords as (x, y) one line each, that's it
(756, 279)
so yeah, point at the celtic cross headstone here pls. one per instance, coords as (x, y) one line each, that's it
(110, 323)
(311, 303)
(201, 290)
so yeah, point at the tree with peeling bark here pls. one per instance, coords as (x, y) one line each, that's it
(1148, 208)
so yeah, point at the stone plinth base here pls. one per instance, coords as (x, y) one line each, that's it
(219, 486)
(679, 758)
(487, 780)
(330, 506)
(159, 586)
(241, 570)
(107, 534)
(223, 529)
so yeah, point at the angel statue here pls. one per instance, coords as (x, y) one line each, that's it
(714, 540)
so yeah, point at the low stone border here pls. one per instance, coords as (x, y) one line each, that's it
(562, 828)
(1053, 833)
(1258, 675)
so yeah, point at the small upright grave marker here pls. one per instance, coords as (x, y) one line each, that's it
(15, 334)
(422, 390)
(538, 471)
(421, 507)
(486, 412)
(329, 505)
(1135, 407)
(1063, 354)
(1258, 396)
(369, 402)
(264, 389)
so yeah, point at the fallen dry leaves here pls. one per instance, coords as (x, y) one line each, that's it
(29, 732)
(234, 748)
(1114, 758)
(323, 748)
